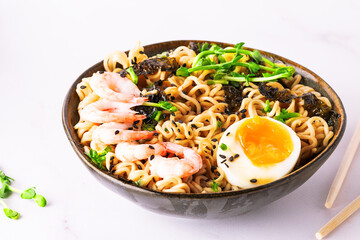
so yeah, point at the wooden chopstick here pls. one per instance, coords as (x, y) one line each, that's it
(339, 218)
(344, 167)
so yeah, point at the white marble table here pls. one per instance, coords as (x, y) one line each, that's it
(45, 45)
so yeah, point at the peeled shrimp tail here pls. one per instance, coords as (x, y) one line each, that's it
(130, 152)
(104, 111)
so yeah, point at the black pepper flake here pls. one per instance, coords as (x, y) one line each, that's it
(223, 129)
(178, 139)
(151, 147)
(117, 132)
(214, 140)
(82, 87)
(193, 84)
(254, 180)
(213, 168)
(156, 134)
(223, 161)
(226, 165)
(180, 121)
(172, 114)
(222, 156)
(152, 157)
(243, 111)
(231, 158)
(228, 134)
(214, 146)
(112, 158)
(139, 166)
(172, 98)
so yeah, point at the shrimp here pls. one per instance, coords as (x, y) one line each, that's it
(113, 87)
(189, 164)
(104, 111)
(114, 133)
(130, 152)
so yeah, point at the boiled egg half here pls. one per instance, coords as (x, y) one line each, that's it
(256, 151)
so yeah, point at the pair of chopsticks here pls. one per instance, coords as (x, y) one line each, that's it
(336, 186)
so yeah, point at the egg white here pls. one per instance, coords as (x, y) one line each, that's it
(241, 170)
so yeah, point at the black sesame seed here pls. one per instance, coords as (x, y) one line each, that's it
(167, 154)
(136, 127)
(222, 156)
(156, 134)
(178, 129)
(172, 114)
(82, 87)
(117, 132)
(254, 180)
(214, 146)
(228, 134)
(153, 180)
(141, 52)
(135, 59)
(212, 152)
(226, 165)
(151, 147)
(243, 115)
(173, 85)
(136, 122)
(172, 98)
(189, 132)
(170, 75)
(207, 157)
(231, 158)
(139, 166)
(152, 157)
(223, 129)
(184, 65)
(101, 72)
(223, 161)
(243, 111)
(214, 140)
(193, 84)
(208, 179)
(130, 128)
(194, 126)
(236, 155)
(219, 173)
(180, 121)
(159, 83)
(178, 139)
(213, 168)
(112, 158)
(184, 92)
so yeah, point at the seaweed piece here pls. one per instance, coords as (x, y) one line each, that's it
(152, 65)
(233, 97)
(274, 94)
(316, 107)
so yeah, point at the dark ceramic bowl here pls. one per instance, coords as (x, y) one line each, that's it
(209, 205)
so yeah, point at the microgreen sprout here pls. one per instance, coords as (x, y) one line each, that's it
(139, 182)
(157, 116)
(267, 107)
(99, 157)
(148, 127)
(214, 185)
(133, 76)
(285, 115)
(223, 146)
(162, 104)
(6, 190)
(218, 124)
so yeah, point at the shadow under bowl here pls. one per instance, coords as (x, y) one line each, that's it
(206, 205)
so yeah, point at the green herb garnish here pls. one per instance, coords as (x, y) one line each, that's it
(99, 157)
(218, 124)
(214, 185)
(148, 127)
(162, 104)
(139, 182)
(267, 107)
(133, 76)
(285, 115)
(223, 146)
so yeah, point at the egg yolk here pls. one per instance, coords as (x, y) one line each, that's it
(264, 141)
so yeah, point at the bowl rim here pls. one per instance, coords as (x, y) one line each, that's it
(128, 184)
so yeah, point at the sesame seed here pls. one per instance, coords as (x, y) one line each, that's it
(112, 158)
(207, 157)
(231, 158)
(223, 129)
(226, 165)
(189, 132)
(236, 155)
(178, 139)
(160, 83)
(173, 85)
(178, 129)
(243, 115)
(170, 75)
(194, 126)
(243, 111)
(214, 140)
(180, 121)
(156, 134)
(152, 157)
(151, 147)
(172, 114)
(193, 84)
(130, 128)
(136, 127)
(214, 146)
(82, 87)
(213, 168)
(222, 156)
(183, 92)
(153, 179)
(139, 166)
(254, 180)
(136, 122)
(223, 161)
(172, 98)
(141, 52)
(228, 134)
(212, 152)
(117, 132)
